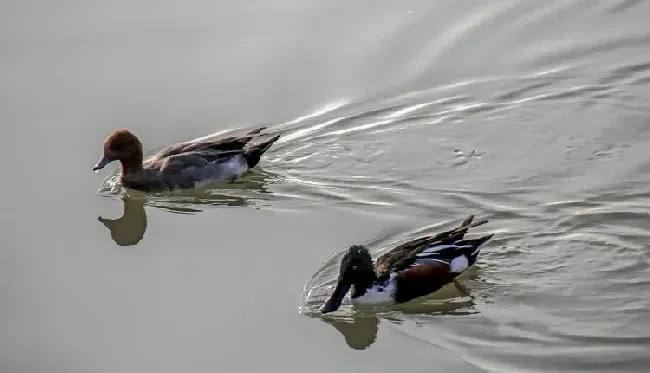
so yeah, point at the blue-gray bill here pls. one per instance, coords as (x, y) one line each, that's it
(103, 161)
(334, 301)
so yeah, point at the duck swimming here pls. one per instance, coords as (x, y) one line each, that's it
(411, 270)
(184, 165)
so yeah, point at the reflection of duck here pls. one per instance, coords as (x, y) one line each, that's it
(411, 270)
(128, 229)
(186, 165)
(360, 329)
(359, 332)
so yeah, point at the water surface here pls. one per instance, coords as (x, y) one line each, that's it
(399, 119)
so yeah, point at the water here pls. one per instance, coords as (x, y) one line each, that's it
(399, 119)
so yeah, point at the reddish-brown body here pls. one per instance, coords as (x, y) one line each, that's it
(421, 280)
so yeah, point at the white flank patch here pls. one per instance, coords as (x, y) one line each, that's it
(427, 261)
(223, 172)
(237, 165)
(458, 264)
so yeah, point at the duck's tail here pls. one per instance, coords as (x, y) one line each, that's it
(254, 153)
(256, 131)
(477, 243)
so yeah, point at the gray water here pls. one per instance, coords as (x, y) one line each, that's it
(399, 119)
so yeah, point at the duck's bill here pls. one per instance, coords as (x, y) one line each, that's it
(103, 161)
(334, 301)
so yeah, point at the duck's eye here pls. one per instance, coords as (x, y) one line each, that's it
(354, 268)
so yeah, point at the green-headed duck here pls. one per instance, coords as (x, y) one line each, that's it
(411, 270)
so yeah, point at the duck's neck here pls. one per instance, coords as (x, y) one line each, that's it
(363, 284)
(131, 166)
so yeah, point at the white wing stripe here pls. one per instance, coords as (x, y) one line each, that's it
(428, 261)
(433, 249)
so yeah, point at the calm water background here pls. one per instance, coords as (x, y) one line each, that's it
(399, 118)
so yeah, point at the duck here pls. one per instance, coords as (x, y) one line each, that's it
(409, 271)
(185, 165)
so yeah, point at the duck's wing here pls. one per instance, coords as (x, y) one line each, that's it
(231, 143)
(438, 248)
(193, 160)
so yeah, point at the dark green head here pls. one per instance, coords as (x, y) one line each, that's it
(356, 269)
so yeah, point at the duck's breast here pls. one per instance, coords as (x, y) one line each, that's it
(378, 294)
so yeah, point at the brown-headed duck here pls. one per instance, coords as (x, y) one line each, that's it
(185, 165)
(411, 270)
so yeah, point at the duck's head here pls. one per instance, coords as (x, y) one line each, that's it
(123, 146)
(356, 269)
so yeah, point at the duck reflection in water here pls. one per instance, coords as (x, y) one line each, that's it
(130, 228)
(360, 328)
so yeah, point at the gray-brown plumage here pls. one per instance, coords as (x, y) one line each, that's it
(184, 165)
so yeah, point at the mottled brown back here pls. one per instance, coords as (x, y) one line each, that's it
(401, 256)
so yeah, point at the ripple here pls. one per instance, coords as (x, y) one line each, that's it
(624, 5)
(563, 283)
(553, 152)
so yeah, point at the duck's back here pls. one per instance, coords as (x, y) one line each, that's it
(232, 143)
